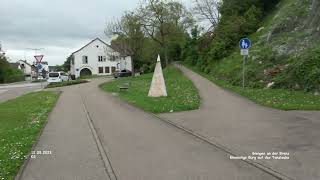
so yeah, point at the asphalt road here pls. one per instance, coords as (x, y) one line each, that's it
(10, 91)
(94, 135)
(244, 127)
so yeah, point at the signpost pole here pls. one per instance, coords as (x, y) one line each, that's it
(39, 67)
(244, 44)
(244, 71)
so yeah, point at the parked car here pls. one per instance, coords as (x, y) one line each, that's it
(123, 73)
(58, 77)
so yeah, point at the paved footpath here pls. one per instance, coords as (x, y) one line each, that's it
(245, 127)
(134, 145)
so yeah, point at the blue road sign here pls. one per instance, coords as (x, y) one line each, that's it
(39, 66)
(245, 43)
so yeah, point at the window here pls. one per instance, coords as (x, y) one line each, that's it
(102, 59)
(107, 70)
(84, 59)
(100, 70)
(54, 75)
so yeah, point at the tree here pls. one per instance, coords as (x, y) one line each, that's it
(129, 36)
(208, 10)
(191, 51)
(160, 19)
(66, 65)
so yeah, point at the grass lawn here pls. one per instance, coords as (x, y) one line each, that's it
(66, 83)
(182, 94)
(21, 119)
(276, 98)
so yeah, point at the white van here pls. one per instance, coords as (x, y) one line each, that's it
(58, 77)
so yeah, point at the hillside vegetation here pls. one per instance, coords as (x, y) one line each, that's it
(285, 52)
(285, 36)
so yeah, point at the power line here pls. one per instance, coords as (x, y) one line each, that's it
(35, 50)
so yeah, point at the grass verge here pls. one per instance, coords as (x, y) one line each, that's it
(95, 76)
(21, 120)
(182, 94)
(276, 98)
(66, 83)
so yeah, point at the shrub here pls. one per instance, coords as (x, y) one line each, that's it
(9, 74)
(66, 83)
(303, 73)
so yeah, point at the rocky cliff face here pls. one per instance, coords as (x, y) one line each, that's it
(286, 43)
(294, 28)
(313, 21)
(285, 51)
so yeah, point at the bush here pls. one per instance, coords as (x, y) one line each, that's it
(66, 83)
(9, 74)
(303, 73)
(207, 70)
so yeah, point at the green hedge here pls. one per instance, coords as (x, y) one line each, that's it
(66, 83)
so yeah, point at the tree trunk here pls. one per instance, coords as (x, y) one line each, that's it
(166, 55)
(132, 69)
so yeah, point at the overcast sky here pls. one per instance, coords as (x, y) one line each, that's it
(58, 26)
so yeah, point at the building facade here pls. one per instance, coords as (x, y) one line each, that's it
(98, 58)
(28, 70)
(31, 71)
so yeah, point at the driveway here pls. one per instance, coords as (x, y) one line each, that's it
(243, 127)
(10, 91)
(94, 135)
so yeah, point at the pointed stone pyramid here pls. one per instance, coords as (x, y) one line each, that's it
(158, 86)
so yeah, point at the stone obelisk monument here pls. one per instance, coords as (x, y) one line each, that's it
(158, 86)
